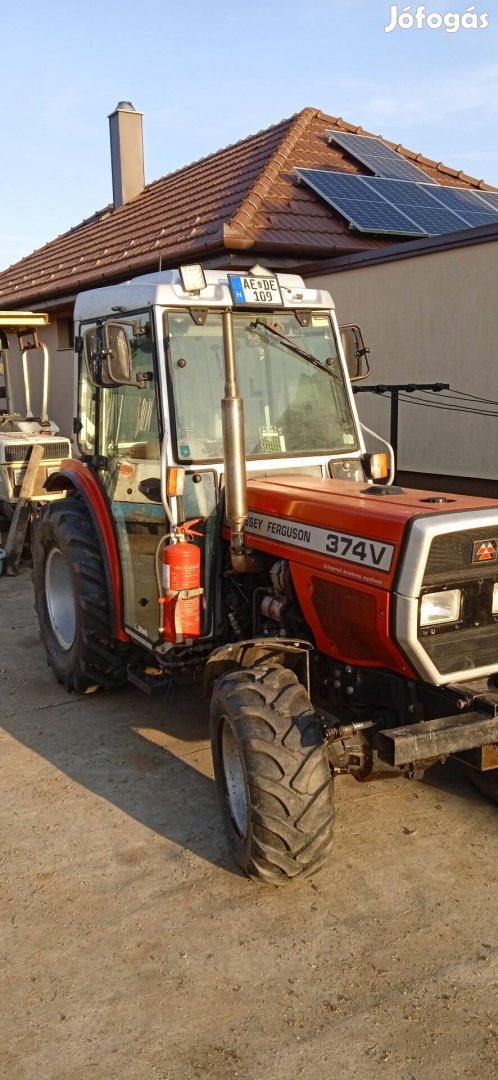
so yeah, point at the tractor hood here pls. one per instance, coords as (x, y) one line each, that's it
(355, 528)
(364, 560)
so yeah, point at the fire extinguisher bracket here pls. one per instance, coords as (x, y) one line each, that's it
(181, 586)
(181, 594)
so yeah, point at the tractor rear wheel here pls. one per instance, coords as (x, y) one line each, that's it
(272, 773)
(72, 600)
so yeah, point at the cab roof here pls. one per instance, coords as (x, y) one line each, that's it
(165, 289)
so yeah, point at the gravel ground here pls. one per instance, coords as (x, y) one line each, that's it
(132, 948)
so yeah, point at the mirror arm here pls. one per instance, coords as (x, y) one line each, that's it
(360, 353)
(392, 461)
(143, 377)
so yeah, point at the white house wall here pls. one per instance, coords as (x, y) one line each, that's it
(429, 318)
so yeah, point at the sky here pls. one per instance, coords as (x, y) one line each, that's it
(206, 74)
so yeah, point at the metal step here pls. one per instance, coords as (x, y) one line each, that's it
(159, 685)
(436, 738)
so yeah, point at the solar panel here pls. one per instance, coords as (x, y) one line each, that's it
(466, 203)
(376, 204)
(378, 157)
(416, 200)
(488, 197)
(353, 197)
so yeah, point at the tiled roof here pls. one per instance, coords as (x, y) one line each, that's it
(242, 198)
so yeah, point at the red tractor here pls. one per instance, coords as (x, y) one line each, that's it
(242, 532)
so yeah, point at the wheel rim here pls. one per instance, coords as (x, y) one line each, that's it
(234, 776)
(60, 598)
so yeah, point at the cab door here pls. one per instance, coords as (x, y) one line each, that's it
(129, 441)
(121, 432)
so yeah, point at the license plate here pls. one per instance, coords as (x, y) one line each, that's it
(257, 291)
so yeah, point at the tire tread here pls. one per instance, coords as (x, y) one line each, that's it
(291, 818)
(99, 659)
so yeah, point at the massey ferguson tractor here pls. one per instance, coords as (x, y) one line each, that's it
(224, 517)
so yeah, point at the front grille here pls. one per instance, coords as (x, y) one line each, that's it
(451, 556)
(439, 555)
(464, 650)
(53, 450)
(472, 642)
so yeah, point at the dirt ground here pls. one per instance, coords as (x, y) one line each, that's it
(132, 948)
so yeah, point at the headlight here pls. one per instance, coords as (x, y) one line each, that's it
(494, 605)
(441, 607)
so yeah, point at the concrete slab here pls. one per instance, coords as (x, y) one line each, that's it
(132, 948)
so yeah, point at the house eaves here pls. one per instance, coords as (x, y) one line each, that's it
(243, 198)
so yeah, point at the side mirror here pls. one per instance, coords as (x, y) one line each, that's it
(355, 352)
(108, 354)
(116, 355)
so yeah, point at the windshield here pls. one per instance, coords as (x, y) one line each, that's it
(291, 405)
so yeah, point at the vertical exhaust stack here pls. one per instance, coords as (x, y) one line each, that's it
(127, 153)
(243, 560)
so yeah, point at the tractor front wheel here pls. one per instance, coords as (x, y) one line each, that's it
(272, 773)
(72, 601)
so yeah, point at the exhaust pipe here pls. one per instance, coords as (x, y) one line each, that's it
(244, 561)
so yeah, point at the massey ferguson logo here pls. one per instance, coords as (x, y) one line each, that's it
(485, 551)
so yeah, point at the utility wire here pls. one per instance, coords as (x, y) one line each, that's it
(452, 408)
(409, 400)
(473, 410)
(466, 393)
(460, 407)
(459, 395)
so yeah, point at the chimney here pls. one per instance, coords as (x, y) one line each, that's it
(127, 153)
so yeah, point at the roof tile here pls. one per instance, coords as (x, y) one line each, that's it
(244, 197)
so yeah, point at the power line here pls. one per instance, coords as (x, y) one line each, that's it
(456, 401)
(443, 390)
(464, 396)
(448, 408)
(383, 391)
(464, 393)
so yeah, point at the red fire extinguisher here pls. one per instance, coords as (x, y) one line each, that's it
(181, 586)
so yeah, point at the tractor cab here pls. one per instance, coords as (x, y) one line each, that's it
(157, 415)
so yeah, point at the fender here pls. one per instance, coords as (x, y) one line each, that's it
(74, 474)
(261, 652)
